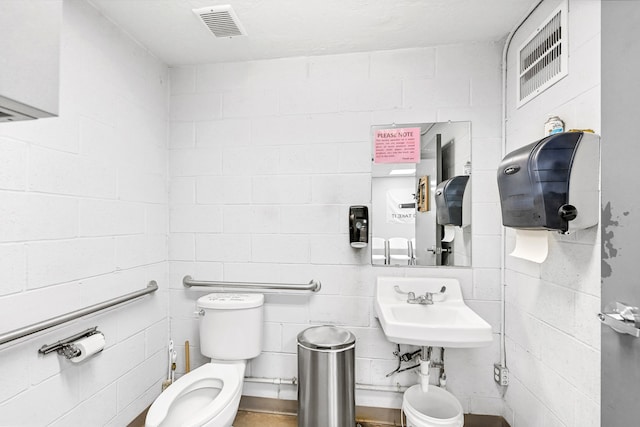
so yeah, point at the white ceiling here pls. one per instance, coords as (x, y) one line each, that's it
(286, 28)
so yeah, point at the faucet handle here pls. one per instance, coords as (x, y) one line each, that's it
(411, 296)
(442, 291)
(436, 296)
(400, 291)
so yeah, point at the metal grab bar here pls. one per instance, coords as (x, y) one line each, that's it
(312, 286)
(58, 320)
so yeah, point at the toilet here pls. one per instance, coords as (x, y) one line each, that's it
(230, 334)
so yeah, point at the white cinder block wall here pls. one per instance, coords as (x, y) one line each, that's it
(83, 208)
(553, 334)
(265, 159)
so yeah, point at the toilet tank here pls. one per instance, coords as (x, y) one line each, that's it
(231, 325)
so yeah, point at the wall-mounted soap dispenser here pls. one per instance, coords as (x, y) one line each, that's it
(552, 184)
(358, 226)
(451, 208)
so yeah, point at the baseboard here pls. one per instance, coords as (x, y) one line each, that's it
(367, 414)
(265, 404)
(473, 420)
(139, 420)
(364, 414)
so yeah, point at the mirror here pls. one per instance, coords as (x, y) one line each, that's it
(421, 194)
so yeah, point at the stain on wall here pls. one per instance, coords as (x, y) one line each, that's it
(609, 224)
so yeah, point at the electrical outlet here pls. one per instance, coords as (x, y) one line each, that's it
(500, 374)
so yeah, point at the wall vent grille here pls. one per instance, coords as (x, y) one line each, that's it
(222, 21)
(542, 59)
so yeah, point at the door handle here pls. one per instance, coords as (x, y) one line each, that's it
(622, 318)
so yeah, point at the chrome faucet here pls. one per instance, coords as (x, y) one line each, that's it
(426, 299)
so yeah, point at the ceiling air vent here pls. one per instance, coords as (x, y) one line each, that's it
(221, 21)
(542, 59)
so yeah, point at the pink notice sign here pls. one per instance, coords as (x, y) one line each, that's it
(397, 145)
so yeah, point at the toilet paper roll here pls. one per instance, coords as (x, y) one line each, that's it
(89, 346)
(531, 245)
(449, 233)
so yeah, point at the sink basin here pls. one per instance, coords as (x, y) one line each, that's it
(448, 322)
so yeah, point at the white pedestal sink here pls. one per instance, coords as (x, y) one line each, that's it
(448, 322)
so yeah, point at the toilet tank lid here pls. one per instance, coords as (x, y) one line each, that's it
(230, 301)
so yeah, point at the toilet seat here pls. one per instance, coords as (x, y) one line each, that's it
(206, 381)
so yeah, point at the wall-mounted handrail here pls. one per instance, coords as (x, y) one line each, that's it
(58, 320)
(312, 286)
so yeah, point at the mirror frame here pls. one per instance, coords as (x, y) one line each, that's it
(449, 243)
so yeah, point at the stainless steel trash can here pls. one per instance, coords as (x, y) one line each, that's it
(326, 375)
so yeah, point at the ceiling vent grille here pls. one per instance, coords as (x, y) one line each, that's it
(542, 59)
(222, 21)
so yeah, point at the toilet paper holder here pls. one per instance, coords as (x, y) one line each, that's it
(66, 347)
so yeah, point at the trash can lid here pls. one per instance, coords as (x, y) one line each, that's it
(326, 338)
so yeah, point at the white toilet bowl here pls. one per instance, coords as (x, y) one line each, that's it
(205, 397)
(230, 334)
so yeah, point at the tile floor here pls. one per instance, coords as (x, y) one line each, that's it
(259, 419)
(250, 419)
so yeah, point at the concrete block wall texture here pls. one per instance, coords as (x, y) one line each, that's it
(245, 171)
(553, 335)
(265, 159)
(83, 202)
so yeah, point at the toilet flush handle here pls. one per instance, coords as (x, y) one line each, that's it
(199, 312)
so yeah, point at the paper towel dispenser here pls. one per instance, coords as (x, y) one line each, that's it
(552, 184)
(449, 201)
